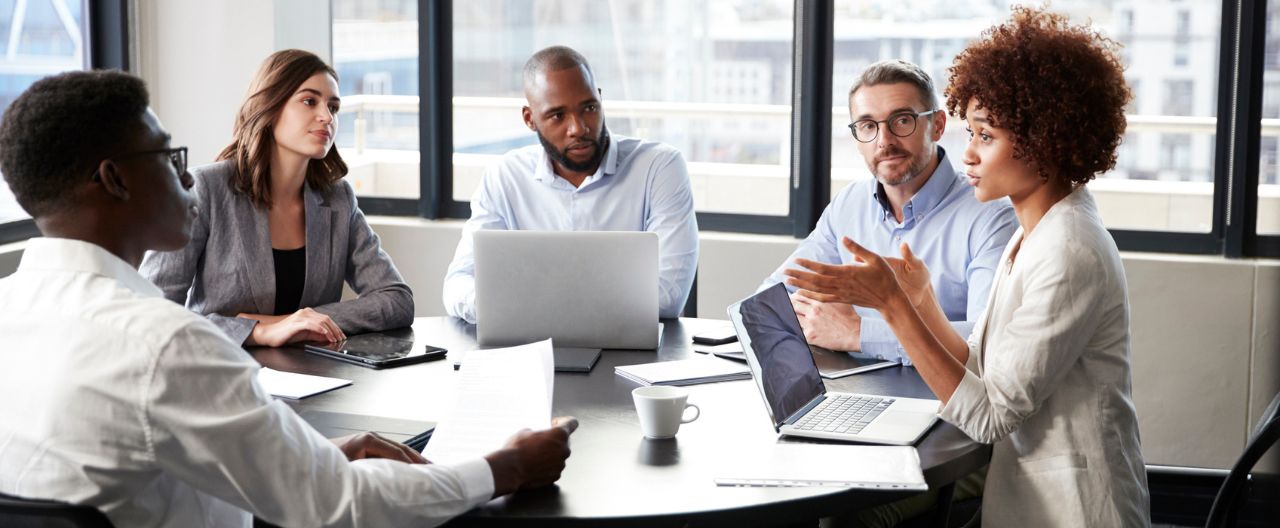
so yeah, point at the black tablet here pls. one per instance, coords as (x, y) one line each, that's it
(378, 350)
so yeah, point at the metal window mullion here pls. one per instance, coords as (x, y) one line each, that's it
(1240, 213)
(107, 24)
(811, 113)
(435, 107)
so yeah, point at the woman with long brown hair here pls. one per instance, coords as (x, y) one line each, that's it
(279, 229)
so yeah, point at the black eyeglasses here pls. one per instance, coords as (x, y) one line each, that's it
(901, 124)
(177, 157)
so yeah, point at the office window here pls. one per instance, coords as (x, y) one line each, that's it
(37, 38)
(710, 77)
(375, 51)
(1171, 120)
(1269, 161)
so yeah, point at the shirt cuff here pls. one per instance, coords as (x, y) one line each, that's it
(965, 400)
(878, 341)
(477, 480)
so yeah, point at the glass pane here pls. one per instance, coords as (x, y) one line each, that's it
(375, 51)
(38, 38)
(710, 77)
(1163, 180)
(1269, 164)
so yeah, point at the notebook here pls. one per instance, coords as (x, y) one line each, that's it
(412, 433)
(685, 371)
(296, 386)
(831, 364)
(798, 403)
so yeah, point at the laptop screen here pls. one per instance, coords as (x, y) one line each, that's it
(786, 372)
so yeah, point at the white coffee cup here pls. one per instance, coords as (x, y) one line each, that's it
(662, 409)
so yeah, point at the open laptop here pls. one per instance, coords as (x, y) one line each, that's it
(591, 289)
(799, 404)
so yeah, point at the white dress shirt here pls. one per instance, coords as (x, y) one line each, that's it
(1048, 380)
(114, 397)
(639, 186)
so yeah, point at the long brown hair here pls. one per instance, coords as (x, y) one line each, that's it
(252, 141)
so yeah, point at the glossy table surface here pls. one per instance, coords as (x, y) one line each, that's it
(615, 476)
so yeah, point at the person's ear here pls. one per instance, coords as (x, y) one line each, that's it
(109, 177)
(527, 114)
(939, 124)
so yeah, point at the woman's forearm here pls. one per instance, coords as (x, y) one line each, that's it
(941, 370)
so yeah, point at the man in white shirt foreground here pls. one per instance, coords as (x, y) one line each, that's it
(580, 178)
(114, 397)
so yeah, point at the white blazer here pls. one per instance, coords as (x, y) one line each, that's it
(1048, 380)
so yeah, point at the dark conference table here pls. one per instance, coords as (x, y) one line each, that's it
(615, 476)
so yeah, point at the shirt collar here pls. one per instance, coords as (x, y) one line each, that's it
(608, 166)
(63, 254)
(937, 187)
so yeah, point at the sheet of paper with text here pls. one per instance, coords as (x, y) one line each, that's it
(500, 392)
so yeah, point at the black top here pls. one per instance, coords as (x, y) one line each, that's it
(291, 276)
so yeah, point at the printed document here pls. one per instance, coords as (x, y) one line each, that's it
(500, 391)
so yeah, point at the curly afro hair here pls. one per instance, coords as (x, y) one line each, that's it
(1058, 88)
(56, 133)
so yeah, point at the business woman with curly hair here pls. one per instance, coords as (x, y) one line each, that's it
(1045, 376)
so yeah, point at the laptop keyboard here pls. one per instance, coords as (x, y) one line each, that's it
(844, 414)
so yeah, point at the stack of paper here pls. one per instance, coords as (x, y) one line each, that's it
(296, 386)
(846, 466)
(685, 371)
(500, 392)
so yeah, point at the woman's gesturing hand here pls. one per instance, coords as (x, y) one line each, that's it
(870, 281)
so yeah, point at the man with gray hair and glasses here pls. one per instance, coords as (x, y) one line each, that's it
(917, 198)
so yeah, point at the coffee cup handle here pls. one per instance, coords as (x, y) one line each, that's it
(696, 414)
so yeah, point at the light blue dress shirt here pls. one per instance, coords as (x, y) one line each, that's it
(640, 186)
(959, 238)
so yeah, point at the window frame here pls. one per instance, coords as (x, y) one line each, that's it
(1233, 233)
(1236, 177)
(108, 42)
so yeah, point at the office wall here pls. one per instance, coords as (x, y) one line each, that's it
(199, 56)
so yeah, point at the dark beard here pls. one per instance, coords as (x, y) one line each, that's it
(562, 156)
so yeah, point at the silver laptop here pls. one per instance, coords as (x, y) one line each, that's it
(799, 404)
(596, 289)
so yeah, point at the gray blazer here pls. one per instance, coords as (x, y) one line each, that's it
(228, 267)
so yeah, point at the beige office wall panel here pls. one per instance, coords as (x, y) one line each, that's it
(198, 58)
(732, 265)
(1265, 382)
(1191, 333)
(421, 250)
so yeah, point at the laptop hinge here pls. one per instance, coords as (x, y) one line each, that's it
(795, 417)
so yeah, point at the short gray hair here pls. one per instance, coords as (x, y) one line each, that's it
(895, 71)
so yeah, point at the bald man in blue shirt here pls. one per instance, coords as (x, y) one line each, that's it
(580, 178)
